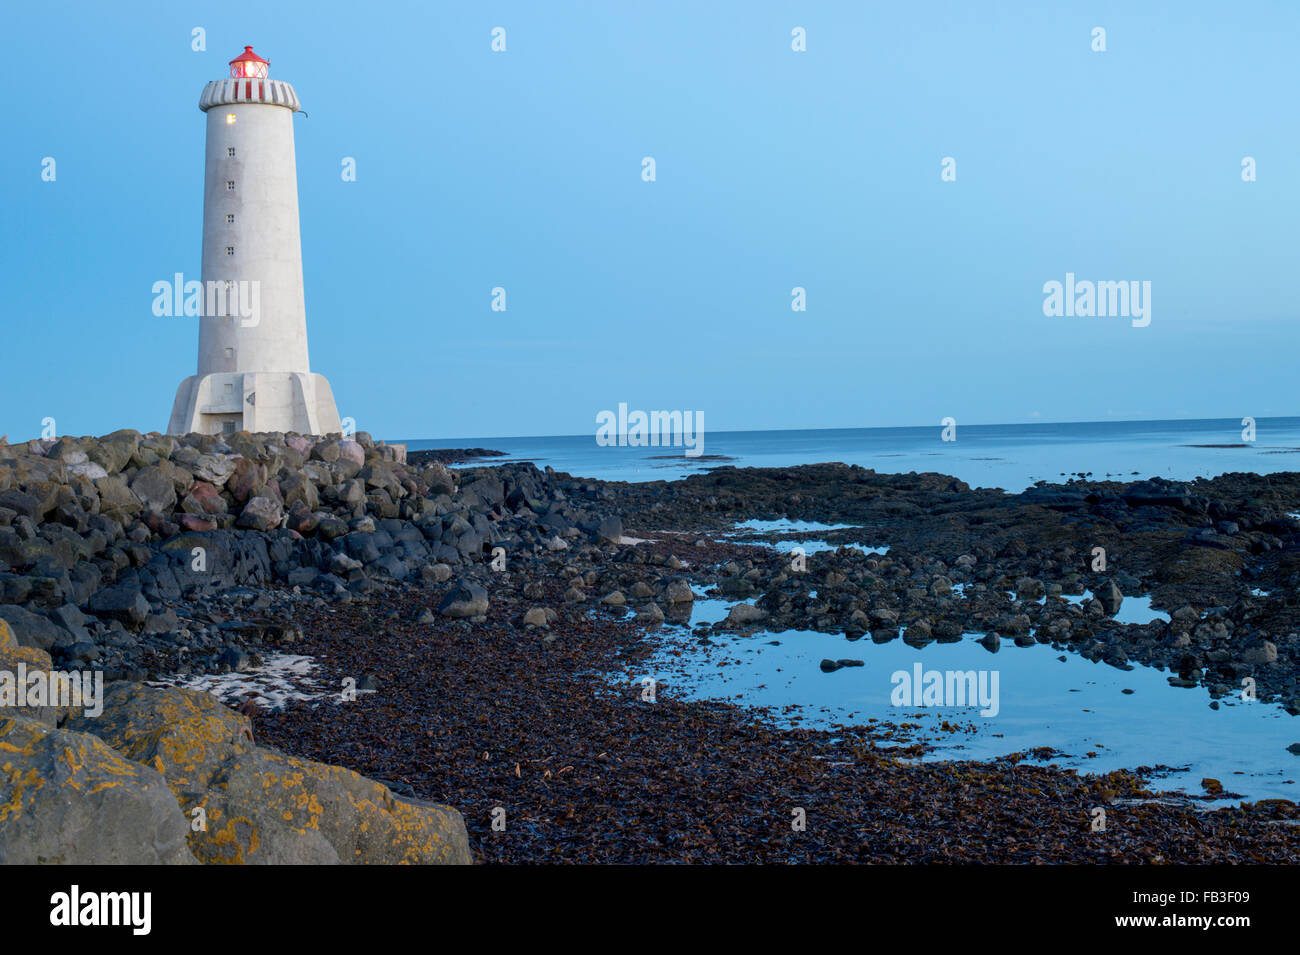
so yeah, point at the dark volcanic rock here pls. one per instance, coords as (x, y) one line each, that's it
(123, 602)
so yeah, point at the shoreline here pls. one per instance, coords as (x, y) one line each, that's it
(589, 773)
(475, 607)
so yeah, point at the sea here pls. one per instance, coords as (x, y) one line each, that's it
(1007, 456)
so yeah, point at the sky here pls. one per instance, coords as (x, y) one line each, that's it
(820, 169)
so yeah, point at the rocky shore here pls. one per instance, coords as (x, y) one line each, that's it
(451, 455)
(480, 612)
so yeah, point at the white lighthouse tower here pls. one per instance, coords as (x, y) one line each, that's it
(253, 373)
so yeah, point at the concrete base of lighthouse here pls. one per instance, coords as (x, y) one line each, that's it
(226, 402)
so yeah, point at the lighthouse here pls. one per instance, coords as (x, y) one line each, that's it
(253, 373)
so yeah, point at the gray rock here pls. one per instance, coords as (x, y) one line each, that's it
(236, 659)
(679, 592)
(69, 617)
(155, 489)
(650, 615)
(260, 514)
(1110, 597)
(329, 527)
(393, 566)
(81, 653)
(117, 501)
(1263, 651)
(435, 573)
(302, 576)
(611, 529)
(123, 601)
(341, 564)
(466, 599)
(24, 504)
(1027, 588)
(33, 630)
(743, 614)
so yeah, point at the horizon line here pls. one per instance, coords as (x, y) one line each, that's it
(1002, 424)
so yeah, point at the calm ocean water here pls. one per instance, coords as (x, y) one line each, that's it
(1011, 457)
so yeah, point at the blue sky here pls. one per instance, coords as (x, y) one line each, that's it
(775, 169)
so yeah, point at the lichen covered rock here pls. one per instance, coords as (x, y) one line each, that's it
(67, 797)
(260, 805)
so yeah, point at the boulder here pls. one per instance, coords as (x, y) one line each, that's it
(439, 479)
(29, 629)
(650, 615)
(113, 451)
(351, 451)
(213, 469)
(679, 592)
(261, 805)
(260, 514)
(117, 501)
(123, 601)
(743, 615)
(27, 505)
(466, 599)
(203, 498)
(1157, 492)
(1110, 597)
(66, 797)
(248, 478)
(196, 522)
(155, 489)
(435, 573)
(1261, 652)
(1027, 588)
(296, 487)
(17, 663)
(329, 527)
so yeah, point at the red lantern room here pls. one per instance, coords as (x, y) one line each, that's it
(248, 66)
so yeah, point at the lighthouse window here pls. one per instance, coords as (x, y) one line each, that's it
(230, 151)
(230, 184)
(230, 353)
(230, 389)
(230, 250)
(229, 218)
(230, 119)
